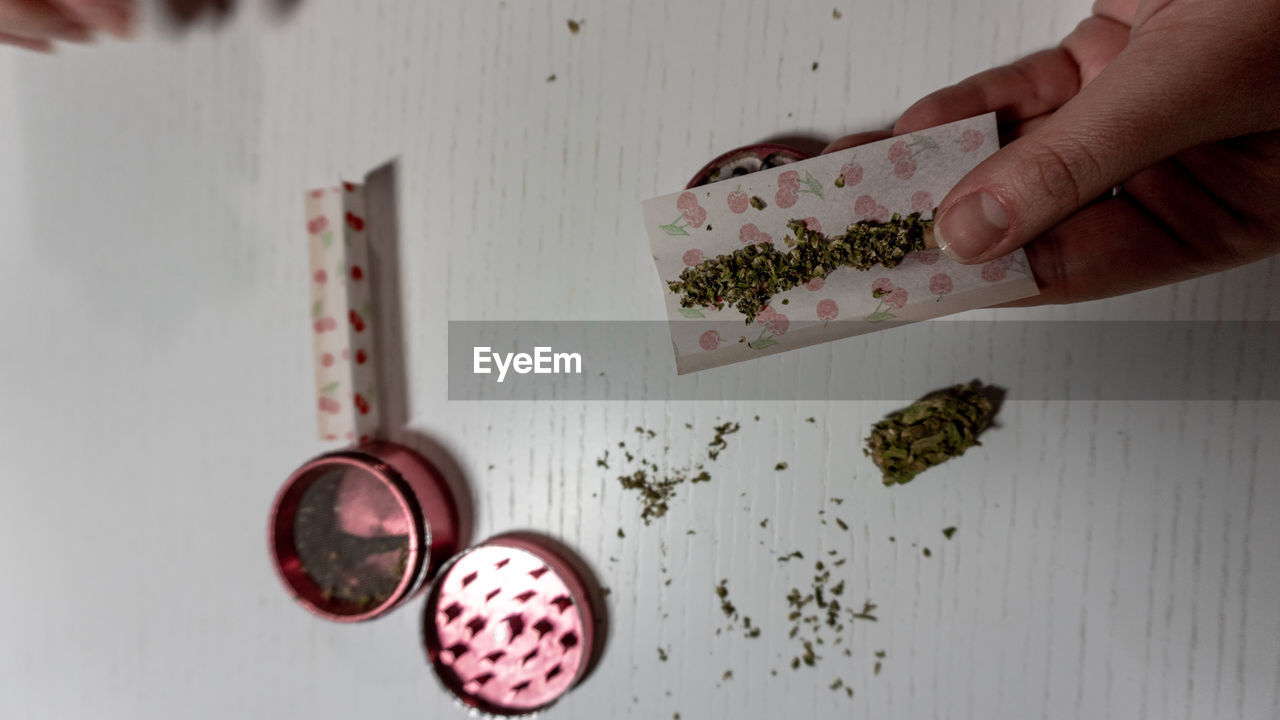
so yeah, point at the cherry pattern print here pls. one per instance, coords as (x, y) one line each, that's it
(866, 208)
(738, 201)
(710, 340)
(940, 284)
(692, 256)
(790, 187)
(884, 290)
(903, 154)
(815, 284)
(827, 310)
(850, 175)
(691, 215)
(775, 324)
(971, 140)
(749, 234)
(926, 257)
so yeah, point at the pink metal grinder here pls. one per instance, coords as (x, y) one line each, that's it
(356, 533)
(509, 626)
(746, 160)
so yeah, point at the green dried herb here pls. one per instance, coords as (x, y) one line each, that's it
(948, 532)
(662, 654)
(748, 278)
(575, 26)
(656, 484)
(934, 429)
(927, 552)
(757, 202)
(780, 466)
(551, 78)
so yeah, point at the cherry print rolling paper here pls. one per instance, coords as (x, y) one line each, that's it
(341, 313)
(901, 175)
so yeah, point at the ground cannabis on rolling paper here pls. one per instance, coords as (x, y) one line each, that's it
(934, 429)
(749, 277)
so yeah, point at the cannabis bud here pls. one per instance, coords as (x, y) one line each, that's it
(936, 428)
(749, 277)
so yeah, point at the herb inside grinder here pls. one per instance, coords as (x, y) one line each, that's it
(934, 429)
(749, 277)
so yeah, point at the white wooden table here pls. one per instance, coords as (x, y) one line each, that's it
(1113, 559)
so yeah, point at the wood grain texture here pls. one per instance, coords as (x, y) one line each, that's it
(1113, 559)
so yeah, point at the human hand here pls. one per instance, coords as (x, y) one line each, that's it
(1175, 101)
(36, 24)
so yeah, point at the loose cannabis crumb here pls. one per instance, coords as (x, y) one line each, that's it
(552, 78)
(757, 202)
(811, 420)
(936, 428)
(780, 466)
(927, 552)
(662, 654)
(836, 15)
(815, 66)
(948, 532)
(764, 523)
(843, 525)
(728, 675)
(621, 534)
(657, 485)
(794, 554)
(749, 277)
(838, 501)
(576, 25)
(839, 181)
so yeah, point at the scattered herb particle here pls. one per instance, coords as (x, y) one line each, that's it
(815, 66)
(838, 501)
(757, 203)
(936, 428)
(927, 552)
(786, 301)
(780, 466)
(551, 78)
(877, 668)
(728, 675)
(811, 420)
(842, 524)
(575, 26)
(836, 14)
(839, 182)
(795, 663)
(893, 539)
(764, 523)
(662, 654)
(690, 532)
(621, 534)
(948, 532)
(793, 554)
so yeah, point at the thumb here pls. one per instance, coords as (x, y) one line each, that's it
(1146, 105)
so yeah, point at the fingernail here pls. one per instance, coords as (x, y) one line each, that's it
(972, 226)
(113, 16)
